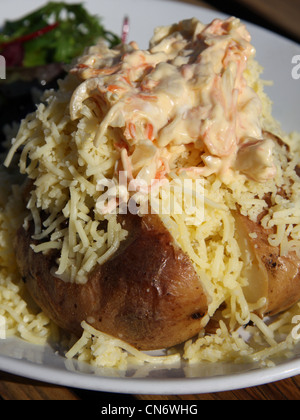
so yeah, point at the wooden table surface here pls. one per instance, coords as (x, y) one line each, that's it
(282, 16)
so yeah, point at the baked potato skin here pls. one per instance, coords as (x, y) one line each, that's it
(148, 294)
(282, 272)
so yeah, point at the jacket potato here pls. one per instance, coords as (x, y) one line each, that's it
(148, 294)
(273, 276)
(151, 115)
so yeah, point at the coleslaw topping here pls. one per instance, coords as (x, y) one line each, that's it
(182, 105)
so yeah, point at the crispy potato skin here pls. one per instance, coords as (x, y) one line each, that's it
(282, 272)
(148, 294)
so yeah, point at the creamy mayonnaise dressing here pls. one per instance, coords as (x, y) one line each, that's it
(181, 105)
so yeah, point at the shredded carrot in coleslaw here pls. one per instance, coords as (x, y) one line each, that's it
(185, 95)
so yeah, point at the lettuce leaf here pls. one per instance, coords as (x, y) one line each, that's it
(75, 29)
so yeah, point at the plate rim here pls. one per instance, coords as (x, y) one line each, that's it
(152, 386)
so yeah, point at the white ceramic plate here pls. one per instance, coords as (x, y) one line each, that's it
(275, 54)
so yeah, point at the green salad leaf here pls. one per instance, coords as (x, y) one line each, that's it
(56, 32)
